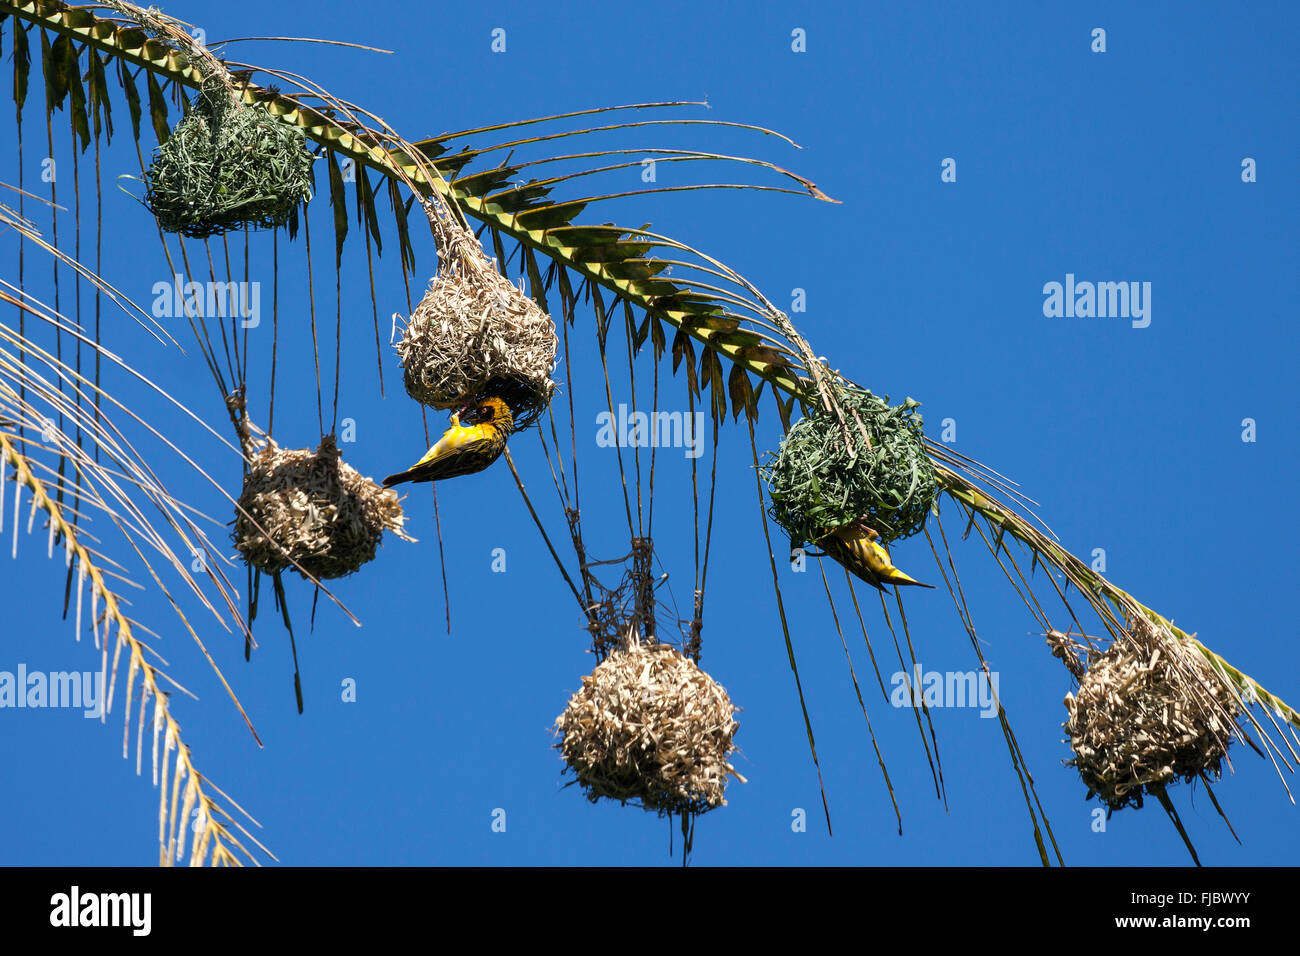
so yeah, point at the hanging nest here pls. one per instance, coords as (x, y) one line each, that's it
(315, 509)
(816, 486)
(650, 727)
(475, 333)
(227, 165)
(1149, 710)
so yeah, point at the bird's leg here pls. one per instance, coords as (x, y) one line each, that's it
(862, 526)
(466, 409)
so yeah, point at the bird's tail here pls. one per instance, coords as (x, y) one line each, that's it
(401, 476)
(899, 577)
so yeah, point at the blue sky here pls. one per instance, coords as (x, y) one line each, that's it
(1117, 166)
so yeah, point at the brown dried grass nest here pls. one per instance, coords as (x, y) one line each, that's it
(472, 329)
(649, 726)
(1149, 710)
(316, 509)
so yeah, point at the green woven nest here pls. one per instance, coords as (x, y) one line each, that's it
(225, 166)
(816, 487)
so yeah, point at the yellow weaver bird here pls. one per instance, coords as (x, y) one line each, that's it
(857, 548)
(464, 449)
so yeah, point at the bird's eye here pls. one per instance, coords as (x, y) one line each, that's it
(485, 411)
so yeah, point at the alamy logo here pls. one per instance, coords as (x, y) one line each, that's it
(946, 689)
(209, 300)
(75, 908)
(652, 430)
(25, 688)
(1103, 300)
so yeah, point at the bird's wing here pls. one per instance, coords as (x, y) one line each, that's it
(452, 441)
(461, 451)
(851, 557)
(464, 459)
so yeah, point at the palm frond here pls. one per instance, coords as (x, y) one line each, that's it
(182, 790)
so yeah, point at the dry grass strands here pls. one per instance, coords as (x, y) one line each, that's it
(475, 332)
(1149, 710)
(650, 727)
(817, 484)
(318, 511)
(226, 165)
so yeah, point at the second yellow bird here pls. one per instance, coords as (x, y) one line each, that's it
(464, 449)
(856, 548)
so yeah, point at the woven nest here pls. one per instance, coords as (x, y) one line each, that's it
(227, 165)
(815, 486)
(650, 727)
(473, 332)
(1149, 710)
(315, 509)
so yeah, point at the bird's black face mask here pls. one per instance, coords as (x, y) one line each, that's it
(474, 414)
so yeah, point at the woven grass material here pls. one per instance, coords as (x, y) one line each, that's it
(1149, 710)
(316, 509)
(650, 727)
(227, 165)
(817, 485)
(475, 333)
